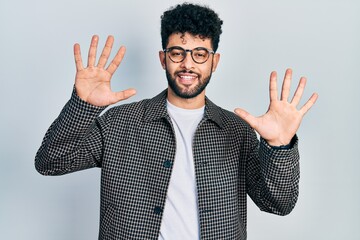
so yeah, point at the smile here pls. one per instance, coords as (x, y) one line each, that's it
(187, 79)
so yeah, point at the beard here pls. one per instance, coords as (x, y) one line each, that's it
(187, 92)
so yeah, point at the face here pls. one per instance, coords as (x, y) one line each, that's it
(188, 79)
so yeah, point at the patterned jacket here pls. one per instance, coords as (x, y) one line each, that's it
(134, 144)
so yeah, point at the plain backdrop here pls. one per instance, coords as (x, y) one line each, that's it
(319, 39)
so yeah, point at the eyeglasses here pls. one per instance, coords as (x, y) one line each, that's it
(199, 55)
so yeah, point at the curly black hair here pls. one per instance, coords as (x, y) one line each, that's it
(193, 19)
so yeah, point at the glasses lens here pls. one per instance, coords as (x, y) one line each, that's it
(200, 55)
(177, 54)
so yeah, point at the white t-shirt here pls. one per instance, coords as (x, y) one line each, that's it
(180, 217)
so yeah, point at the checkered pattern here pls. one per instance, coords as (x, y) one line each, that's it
(132, 144)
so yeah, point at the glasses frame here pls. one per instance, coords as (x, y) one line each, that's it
(191, 53)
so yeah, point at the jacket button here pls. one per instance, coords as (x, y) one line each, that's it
(157, 210)
(167, 164)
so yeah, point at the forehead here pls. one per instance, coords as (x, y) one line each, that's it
(188, 41)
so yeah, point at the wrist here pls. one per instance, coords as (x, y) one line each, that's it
(277, 143)
(280, 145)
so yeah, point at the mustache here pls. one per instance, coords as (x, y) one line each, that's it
(187, 71)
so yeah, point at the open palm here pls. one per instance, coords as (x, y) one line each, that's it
(280, 123)
(92, 83)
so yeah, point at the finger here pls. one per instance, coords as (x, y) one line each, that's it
(250, 119)
(92, 51)
(77, 56)
(285, 91)
(116, 61)
(273, 87)
(106, 51)
(122, 95)
(309, 104)
(299, 92)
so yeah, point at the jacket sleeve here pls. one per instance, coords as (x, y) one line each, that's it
(74, 141)
(273, 176)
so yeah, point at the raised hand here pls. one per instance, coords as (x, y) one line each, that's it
(92, 83)
(280, 123)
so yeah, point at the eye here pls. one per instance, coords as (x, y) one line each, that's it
(200, 54)
(176, 52)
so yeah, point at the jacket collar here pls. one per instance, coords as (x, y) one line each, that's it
(156, 109)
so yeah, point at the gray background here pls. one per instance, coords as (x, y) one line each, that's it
(317, 38)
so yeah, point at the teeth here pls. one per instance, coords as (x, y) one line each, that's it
(187, 77)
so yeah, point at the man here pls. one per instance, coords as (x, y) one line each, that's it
(176, 166)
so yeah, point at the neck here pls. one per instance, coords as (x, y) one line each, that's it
(186, 103)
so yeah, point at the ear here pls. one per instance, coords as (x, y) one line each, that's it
(216, 60)
(162, 59)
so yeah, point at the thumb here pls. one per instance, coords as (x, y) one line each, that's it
(122, 95)
(250, 119)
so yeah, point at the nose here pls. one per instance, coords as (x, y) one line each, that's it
(188, 62)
